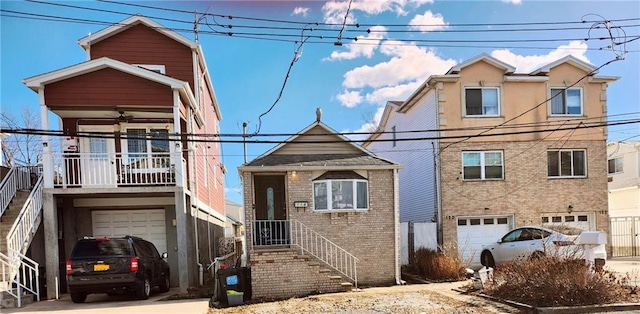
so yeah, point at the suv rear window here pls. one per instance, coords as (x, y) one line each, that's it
(100, 247)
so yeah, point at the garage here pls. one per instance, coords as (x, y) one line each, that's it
(582, 221)
(148, 224)
(474, 232)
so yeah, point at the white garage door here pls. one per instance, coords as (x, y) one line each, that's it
(582, 221)
(474, 232)
(148, 224)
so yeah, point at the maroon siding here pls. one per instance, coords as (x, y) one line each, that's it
(142, 45)
(107, 87)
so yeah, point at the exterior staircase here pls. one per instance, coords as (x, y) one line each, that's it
(20, 217)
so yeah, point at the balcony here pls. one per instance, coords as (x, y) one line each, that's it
(90, 170)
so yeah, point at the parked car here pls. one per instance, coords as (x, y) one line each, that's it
(534, 241)
(115, 266)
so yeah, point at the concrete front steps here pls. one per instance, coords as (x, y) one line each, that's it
(9, 217)
(285, 273)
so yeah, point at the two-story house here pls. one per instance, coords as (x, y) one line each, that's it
(499, 149)
(134, 160)
(624, 197)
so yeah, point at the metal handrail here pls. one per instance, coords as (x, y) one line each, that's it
(27, 222)
(16, 179)
(278, 233)
(311, 242)
(21, 271)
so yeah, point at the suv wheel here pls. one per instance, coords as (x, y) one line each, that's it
(165, 284)
(144, 289)
(78, 296)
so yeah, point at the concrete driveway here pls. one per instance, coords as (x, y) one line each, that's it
(103, 304)
(626, 265)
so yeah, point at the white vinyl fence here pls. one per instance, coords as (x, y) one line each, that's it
(415, 235)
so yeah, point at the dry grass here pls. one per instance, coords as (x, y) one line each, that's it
(551, 281)
(432, 265)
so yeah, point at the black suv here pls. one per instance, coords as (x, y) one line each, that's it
(115, 266)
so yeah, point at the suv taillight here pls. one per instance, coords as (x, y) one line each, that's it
(134, 264)
(69, 270)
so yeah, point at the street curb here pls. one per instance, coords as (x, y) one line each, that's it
(568, 309)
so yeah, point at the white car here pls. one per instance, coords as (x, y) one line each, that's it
(534, 241)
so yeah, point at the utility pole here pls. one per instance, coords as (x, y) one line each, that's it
(244, 140)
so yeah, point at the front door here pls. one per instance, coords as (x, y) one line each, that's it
(271, 226)
(98, 158)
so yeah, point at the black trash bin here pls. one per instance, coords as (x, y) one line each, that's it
(238, 279)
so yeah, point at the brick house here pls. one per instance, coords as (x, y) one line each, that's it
(321, 216)
(537, 162)
(126, 166)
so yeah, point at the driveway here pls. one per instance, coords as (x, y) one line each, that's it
(626, 265)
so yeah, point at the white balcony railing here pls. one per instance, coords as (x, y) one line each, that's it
(116, 169)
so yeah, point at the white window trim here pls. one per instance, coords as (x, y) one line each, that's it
(617, 171)
(551, 114)
(153, 67)
(330, 196)
(482, 165)
(586, 170)
(464, 101)
(124, 142)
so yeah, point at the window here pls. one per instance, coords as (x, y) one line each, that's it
(567, 163)
(482, 165)
(566, 101)
(393, 134)
(150, 151)
(481, 101)
(615, 165)
(340, 194)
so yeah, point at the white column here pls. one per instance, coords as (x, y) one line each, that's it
(176, 144)
(47, 160)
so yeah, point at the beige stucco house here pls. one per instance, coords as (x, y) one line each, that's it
(501, 149)
(321, 216)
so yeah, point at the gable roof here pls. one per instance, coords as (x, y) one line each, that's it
(39, 81)
(359, 158)
(482, 57)
(570, 59)
(388, 109)
(85, 42)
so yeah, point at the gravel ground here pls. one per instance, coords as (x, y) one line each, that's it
(420, 298)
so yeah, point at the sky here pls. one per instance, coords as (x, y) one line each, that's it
(350, 67)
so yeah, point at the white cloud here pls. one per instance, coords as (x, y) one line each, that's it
(397, 92)
(334, 11)
(526, 64)
(301, 11)
(365, 46)
(512, 1)
(407, 63)
(367, 127)
(428, 22)
(349, 99)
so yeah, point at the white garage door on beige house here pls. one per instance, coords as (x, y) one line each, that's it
(148, 224)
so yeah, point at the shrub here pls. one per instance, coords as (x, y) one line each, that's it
(552, 281)
(437, 266)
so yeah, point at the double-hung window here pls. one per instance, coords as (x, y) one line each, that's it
(483, 165)
(148, 148)
(567, 163)
(566, 101)
(615, 165)
(482, 101)
(333, 193)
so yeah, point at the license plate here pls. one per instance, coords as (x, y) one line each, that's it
(100, 267)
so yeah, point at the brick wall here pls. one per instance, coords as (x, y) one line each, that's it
(526, 192)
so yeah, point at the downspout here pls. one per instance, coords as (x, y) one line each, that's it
(396, 227)
(193, 184)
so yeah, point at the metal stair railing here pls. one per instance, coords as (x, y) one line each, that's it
(21, 272)
(18, 178)
(27, 222)
(315, 244)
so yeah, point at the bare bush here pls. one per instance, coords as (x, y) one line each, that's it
(553, 281)
(430, 264)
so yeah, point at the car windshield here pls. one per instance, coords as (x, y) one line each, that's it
(111, 247)
(565, 230)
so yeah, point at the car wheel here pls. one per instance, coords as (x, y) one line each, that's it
(78, 296)
(165, 284)
(144, 289)
(486, 259)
